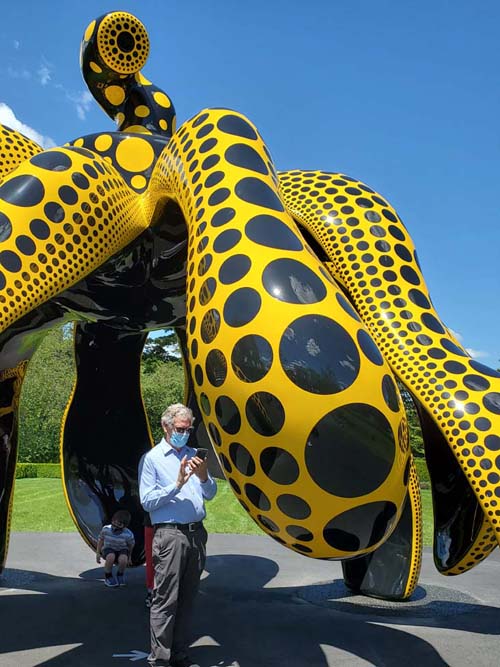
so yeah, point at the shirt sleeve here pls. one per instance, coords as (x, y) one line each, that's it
(130, 539)
(151, 494)
(208, 488)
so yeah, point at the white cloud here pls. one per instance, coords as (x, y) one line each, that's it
(8, 117)
(475, 354)
(16, 44)
(18, 73)
(44, 73)
(82, 101)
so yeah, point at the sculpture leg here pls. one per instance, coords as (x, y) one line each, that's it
(105, 432)
(366, 246)
(299, 404)
(10, 390)
(391, 572)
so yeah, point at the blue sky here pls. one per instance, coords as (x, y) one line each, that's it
(402, 95)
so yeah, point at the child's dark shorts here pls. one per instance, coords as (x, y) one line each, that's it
(120, 552)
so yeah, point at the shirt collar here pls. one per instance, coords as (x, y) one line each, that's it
(167, 449)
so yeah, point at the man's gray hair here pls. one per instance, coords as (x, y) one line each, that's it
(176, 410)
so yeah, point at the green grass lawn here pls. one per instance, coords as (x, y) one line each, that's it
(39, 505)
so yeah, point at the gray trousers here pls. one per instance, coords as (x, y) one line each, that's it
(178, 559)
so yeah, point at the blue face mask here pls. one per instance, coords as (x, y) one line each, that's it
(178, 440)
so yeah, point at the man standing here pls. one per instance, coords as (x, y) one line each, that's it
(173, 485)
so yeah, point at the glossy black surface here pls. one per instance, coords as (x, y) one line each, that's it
(458, 516)
(384, 572)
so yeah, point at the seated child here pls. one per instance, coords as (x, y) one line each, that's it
(115, 545)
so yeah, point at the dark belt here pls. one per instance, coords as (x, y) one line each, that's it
(185, 527)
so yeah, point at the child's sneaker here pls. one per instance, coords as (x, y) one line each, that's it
(120, 578)
(111, 582)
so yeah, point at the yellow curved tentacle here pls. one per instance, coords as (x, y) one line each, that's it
(417, 542)
(64, 212)
(15, 148)
(250, 282)
(375, 257)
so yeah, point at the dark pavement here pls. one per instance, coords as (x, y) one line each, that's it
(260, 605)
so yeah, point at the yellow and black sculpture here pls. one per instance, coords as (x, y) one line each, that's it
(297, 298)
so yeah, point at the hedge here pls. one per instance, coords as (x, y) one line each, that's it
(24, 470)
(423, 473)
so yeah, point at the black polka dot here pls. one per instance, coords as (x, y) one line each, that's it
(257, 497)
(268, 524)
(361, 527)
(80, 181)
(54, 211)
(227, 240)
(216, 368)
(419, 299)
(368, 347)
(214, 178)
(485, 370)
(269, 231)
(454, 367)
(10, 261)
(39, 229)
(451, 347)
(491, 402)
(476, 382)
(293, 282)
(51, 161)
(251, 358)
(350, 452)
(403, 252)
(3, 281)
(22, 191)
(205, 264)
(25, 245)
(227, 414)
(219, 196)
(5, 227)
(242, 306)
(300, 533)
(390, 393)
(214, 433)
(255, 191)
(279, 465)
(492, 442)
(242, 459)
(347, 306)
(198, 375)
(410, 275)
(210, 325)
(432, 323)
(223, 216)
(234, 269)
(205, 404)
(67, 195)
(293, 506)
(207, 290)
(318, 355)
(241, 155)
(237, 126)
(265, 413)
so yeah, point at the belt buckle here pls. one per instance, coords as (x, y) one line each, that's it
(192, 527)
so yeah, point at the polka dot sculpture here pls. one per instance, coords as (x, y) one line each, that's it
(297, 298)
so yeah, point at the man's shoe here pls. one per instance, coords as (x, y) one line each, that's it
(183, 662)
(110, 582)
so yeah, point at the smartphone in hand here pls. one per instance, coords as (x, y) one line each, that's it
(201, 453)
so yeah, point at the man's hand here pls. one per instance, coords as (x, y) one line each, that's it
(185, 473)
(199, 467)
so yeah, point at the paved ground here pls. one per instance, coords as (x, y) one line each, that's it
(260, 605)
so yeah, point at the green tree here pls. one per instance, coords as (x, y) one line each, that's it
(50, 378)
(45, 392)
(416, 439)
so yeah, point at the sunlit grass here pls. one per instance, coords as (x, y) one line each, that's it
(39, 506)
